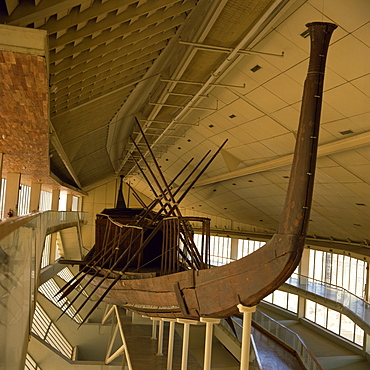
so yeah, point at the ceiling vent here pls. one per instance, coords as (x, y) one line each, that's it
(346, 132)
(256, 68)
(360, 204)
(232, 116)
(305, 33)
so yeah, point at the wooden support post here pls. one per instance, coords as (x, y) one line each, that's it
(246, 338)
(208, 342)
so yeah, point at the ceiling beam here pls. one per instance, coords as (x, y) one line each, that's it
(28, 13)
(114, 78)
(103, 88)
(116, 65)
(110, 21)
(99, 60)
(125, 30)
(97, 100)
(97, 8)
(352, 142)
(166, 28)
(63, 156)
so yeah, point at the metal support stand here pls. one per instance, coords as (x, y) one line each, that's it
(154, 328)
(122, 350)
(160, 338)
(185, 341)
(246, 341)
(208, 343)
(171, 337)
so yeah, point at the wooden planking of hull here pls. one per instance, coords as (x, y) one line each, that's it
(216, 292)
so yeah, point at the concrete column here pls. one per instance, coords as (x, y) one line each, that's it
(160, 338)
(234, 249)
(35, 197)
(12, 192)
(55, 199)
(246, 338)
(53, 241)
(185, 341)
(69, 202)
(171, 337)
(303, 270)
(208, 343)
(1, 176)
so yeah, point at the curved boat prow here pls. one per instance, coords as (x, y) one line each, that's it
(196, 291)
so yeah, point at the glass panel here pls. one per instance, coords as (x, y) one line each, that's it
(280, 298)
(268, 298)
(293, 302)
(74, 203)
(318, 272)
(311, 265)
(321, 315)
(45, 201)
(24, 200)
(334, 269)
(310, 310)
(340, 270)
(347, 328)
(346, 272)
(359, 336)
(333, 321)
(353, 275)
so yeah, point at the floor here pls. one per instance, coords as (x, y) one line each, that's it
(329, 354)
(143, 349)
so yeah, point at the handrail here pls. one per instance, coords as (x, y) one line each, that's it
(13, 223)
(22, 241)
(338, 287)
(289, 338)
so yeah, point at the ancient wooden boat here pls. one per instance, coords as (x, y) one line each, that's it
(147, 261)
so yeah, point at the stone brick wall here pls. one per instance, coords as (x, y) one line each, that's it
(24, 115)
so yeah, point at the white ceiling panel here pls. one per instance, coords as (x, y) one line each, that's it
(265, 100)
(343, 61)
(339, 11)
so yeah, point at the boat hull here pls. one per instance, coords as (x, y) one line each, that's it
(213, 292)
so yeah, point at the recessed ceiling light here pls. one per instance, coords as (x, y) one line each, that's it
(360, 204)
(211, 126)
(232, 116)
(256, 68)
(346, 132)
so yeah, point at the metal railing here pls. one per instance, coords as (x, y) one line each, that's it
(352, 306)
(45, 329)
(254, 358)
(289, 338)
(21, 245)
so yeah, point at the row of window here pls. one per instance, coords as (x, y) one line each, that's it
(24, 200)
